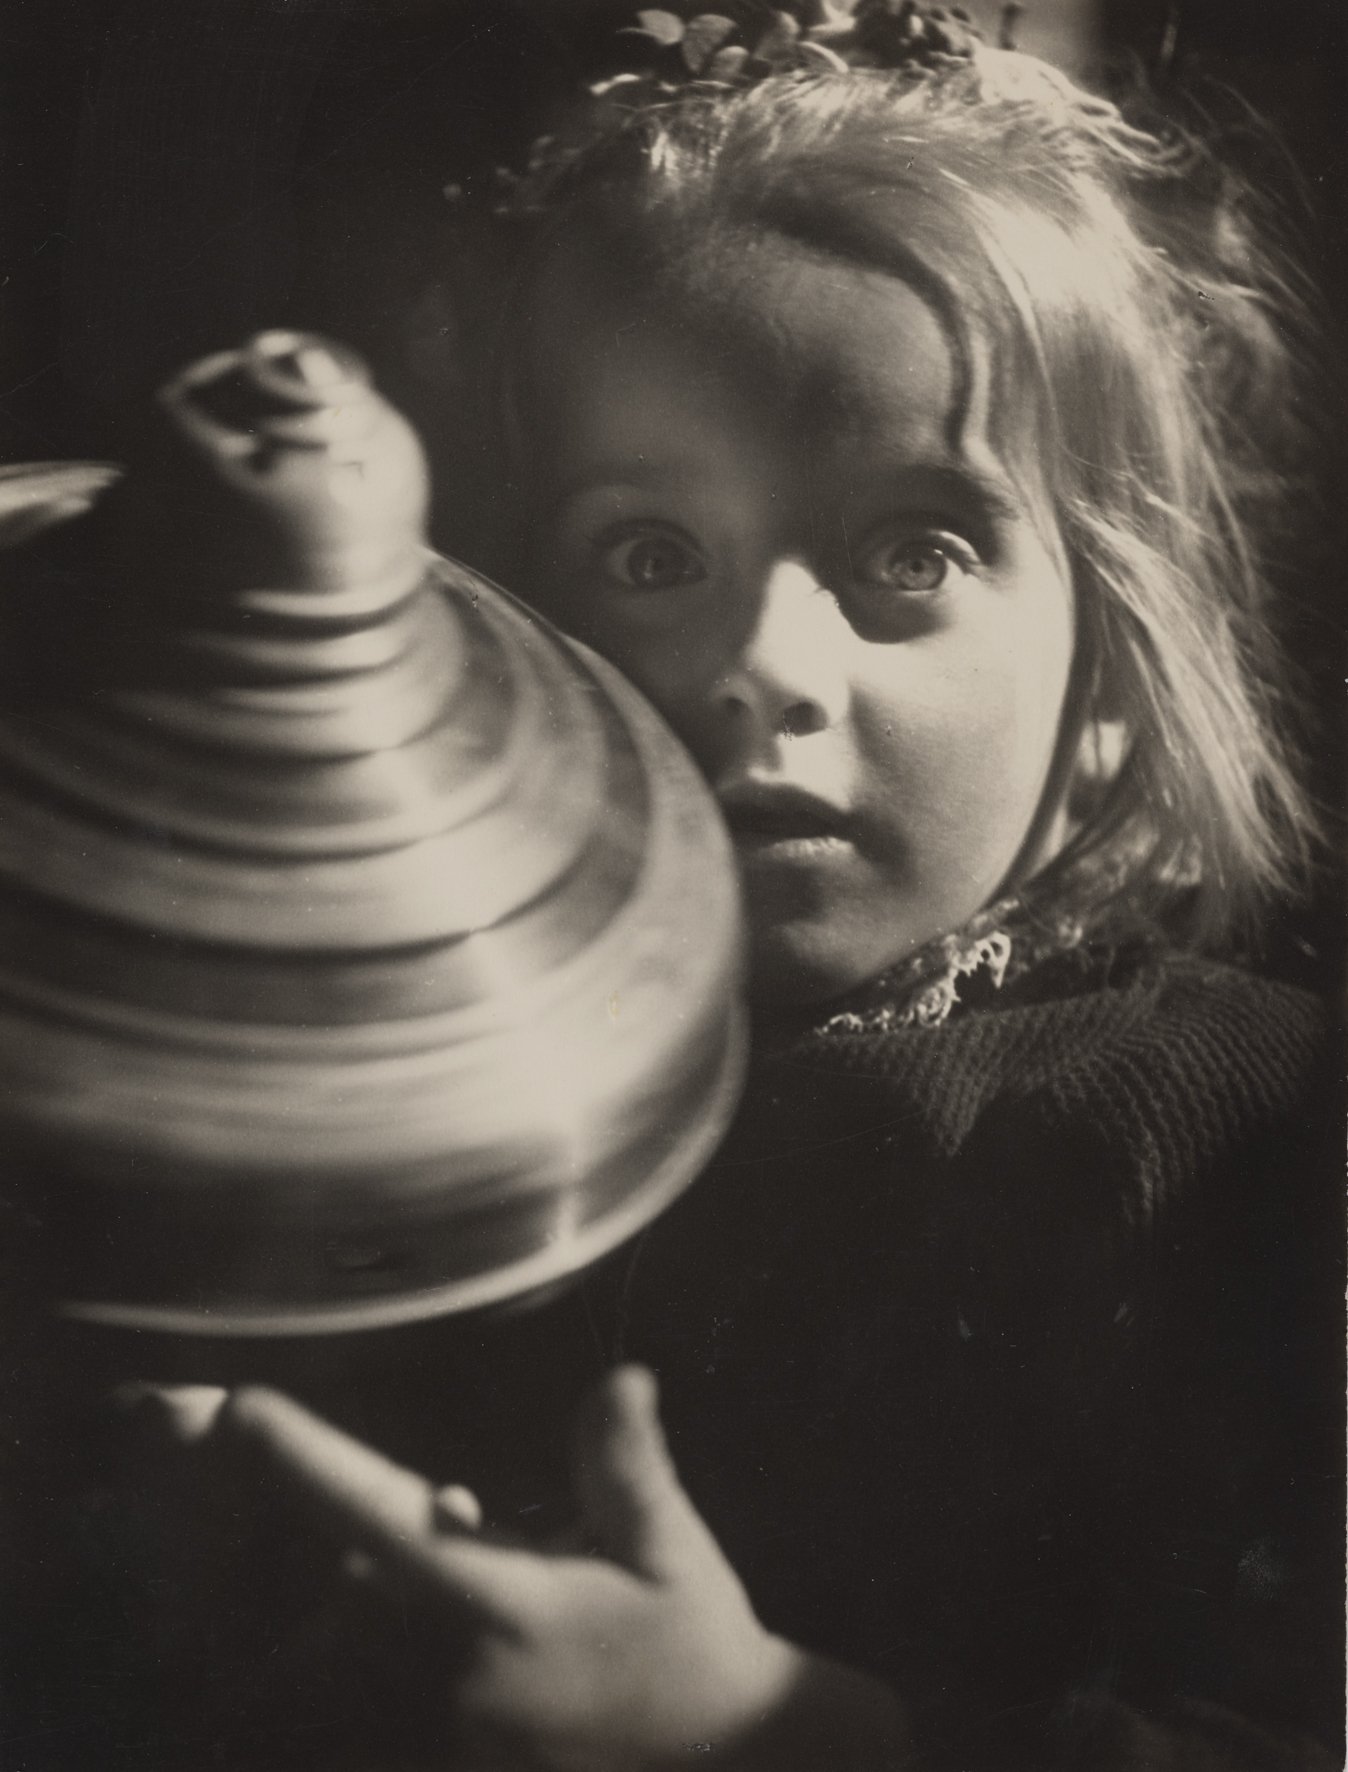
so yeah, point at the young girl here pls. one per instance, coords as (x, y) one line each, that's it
(894, 422)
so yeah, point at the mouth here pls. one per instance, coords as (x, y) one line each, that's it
(782, 821)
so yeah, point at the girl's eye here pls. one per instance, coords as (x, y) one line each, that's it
(651, 560)
(915, 565)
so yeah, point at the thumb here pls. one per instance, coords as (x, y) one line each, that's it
(630, 1497)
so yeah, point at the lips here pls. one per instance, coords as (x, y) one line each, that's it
(761, 816)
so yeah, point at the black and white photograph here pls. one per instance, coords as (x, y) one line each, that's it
(672, 943)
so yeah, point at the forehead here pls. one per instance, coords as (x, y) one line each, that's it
(804, 352)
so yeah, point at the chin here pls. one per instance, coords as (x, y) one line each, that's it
(795, 969)
(804, 961)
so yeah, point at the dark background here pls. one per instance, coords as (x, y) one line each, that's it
(177, 173)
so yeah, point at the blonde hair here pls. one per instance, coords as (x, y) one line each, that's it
(1128, 324)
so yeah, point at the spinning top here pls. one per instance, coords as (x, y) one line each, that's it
(367, 951)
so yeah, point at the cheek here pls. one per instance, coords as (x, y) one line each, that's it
(648, 659)
(673, 662)
(1015, 707)
(965, 730)
(1037, 694)
(1020, 671)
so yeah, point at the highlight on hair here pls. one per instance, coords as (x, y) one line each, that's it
(1125, 320)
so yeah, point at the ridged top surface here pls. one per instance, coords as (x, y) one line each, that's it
(365, 949)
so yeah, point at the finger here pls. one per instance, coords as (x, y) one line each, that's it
(512, 1589)
(358, 1493)
(180, 1414)
(375, 1505)
(464, 1584)
(455, 1509)
(629, 1492)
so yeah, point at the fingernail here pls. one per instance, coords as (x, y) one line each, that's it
(185, 1412)
(455, 1509)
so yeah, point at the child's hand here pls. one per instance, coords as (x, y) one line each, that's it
(643, 1653)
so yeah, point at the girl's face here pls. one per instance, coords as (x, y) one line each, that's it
(773, 520)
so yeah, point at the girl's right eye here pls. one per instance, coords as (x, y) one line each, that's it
(648, 559)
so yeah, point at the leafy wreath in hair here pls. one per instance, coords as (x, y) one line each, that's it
(667, 54)
(751, 41)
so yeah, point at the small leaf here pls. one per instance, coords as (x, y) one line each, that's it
(778, 42)
(703, 37)
(728, 64)
(601, 88)
(820, 56)
(665, 27)
(832, 17)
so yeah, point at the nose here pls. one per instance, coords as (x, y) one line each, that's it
(789, 676)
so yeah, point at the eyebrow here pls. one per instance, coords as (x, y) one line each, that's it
(958, 482)
(638, 476)
(962, 482)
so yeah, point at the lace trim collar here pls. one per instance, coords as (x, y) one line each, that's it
(1002, 943)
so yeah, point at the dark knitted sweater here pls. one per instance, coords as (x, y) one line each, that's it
(1003, 1357)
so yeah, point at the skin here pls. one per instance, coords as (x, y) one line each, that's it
(781, 517)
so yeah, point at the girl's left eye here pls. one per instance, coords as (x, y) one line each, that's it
(914, 565)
